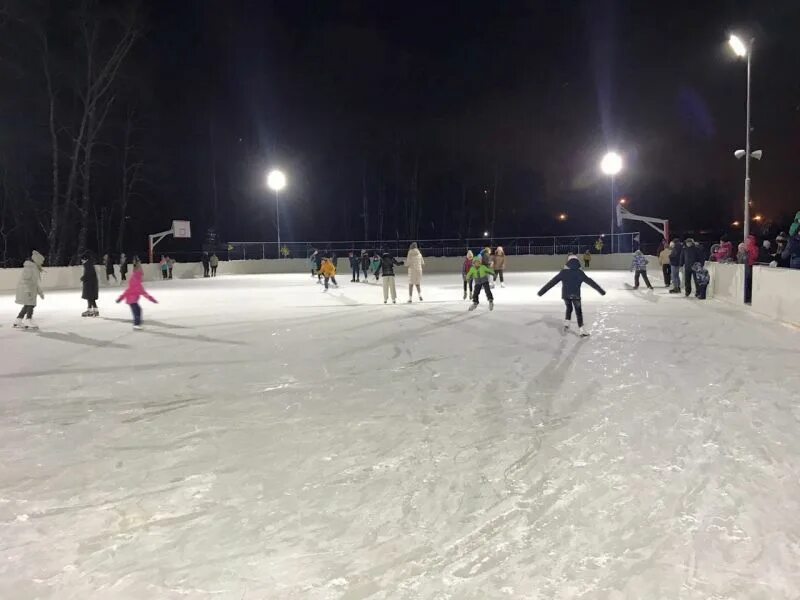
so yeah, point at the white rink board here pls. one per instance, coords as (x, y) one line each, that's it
(263, 440)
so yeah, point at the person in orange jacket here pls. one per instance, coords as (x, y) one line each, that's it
(328, 272)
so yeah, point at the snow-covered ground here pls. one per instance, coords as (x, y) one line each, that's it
(263, 440)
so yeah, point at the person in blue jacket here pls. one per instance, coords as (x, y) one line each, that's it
(571, 278)
(639, 267)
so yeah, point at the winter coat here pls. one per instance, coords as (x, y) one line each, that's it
(28, 286)
(415, 262)
(365, 262)
(571, 278)
(764, 255)
(663, 256)
(109, 265)
(480, 273)
(375, 264)
(335, 260)
(701, 276)
(792, 252)
(135, 290)
(675, 254)
(387, 265)
(205, 260)
(465, 268)
(751, 247)
(317, 260)
(486, 257)
(691, 254)
(725, 252)
(355, 263)
(587, 257)
(328, 269)
(89, 281)
(499, 263)
(214, 260)
(639, 262)
(164, 266)
(123, 265)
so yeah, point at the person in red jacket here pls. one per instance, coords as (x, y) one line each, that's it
(133, 292)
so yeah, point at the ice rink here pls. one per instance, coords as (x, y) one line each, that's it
(263, 440)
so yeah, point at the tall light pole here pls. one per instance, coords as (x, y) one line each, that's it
(611, 165)
(743, 50)
(276, 181)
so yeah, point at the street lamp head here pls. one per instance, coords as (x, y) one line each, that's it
(739, 154)
(276, 180)
(757, 154)
(611, 164)
(738, 46)
(562, 217)
(485, 234)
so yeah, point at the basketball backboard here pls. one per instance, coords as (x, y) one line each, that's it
(181, 229)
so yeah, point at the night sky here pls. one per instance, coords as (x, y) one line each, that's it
(519, 98)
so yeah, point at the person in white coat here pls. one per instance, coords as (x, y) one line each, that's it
(28, 288)
(414, 262)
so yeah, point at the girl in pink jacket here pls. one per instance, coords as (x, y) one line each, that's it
(132, 294)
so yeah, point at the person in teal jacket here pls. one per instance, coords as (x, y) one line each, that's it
(375, 265)
(480, 273)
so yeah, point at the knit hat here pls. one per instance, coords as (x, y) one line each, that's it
(37, 258)
(477, 262)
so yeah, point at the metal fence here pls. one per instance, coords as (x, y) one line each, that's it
(542, 245)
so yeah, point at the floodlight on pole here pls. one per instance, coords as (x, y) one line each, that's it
(611, 165)
(738, 46)
(276, 181)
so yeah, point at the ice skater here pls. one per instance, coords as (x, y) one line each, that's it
(701, 279)
(214, 262)
(90, 286)
(206, 265)
(465, 267)
(355, 267)
(639, 267)
(365, 262)
(480, 273)
(328, 271)
(387, 265)
(133, 292)
(109, 263)
(375, 265)
(571, 278)
(162, 264)
(123, 267)
(587, 259)
(171, 266)
(414, 262)
(666, 269)
(499, 265)
(28, 288)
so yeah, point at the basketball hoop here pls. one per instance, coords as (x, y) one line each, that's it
(180, 230)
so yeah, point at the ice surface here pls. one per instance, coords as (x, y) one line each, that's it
(263, 440)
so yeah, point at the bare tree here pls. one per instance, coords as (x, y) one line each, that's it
(100, 75)
(131, 175)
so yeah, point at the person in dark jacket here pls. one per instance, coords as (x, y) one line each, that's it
(123, 267)
(702, 279)
(355, 267)
(365, 262)
(571, 278)
(388, 263)
(676, 251)
(691, 254)
(89, 286)
(108, 261)
(792, 250)
(318, 256)
(206, 263)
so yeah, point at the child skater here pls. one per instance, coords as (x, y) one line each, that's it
(133, 292)
(480, 273)
(28, 287)
(90, 286)
(571, 277)
(465, 267)
(639, 266)
(702, 278)
(328, 272)
(375, 265)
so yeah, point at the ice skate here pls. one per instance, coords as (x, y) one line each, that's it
(137, 327)
(95, 312)
(492, 286)
(420, 298)
(583, 332)
(31, 325)
(465, 295)
(502, 284)
(473, 306)
(409, 301)
(394, 301)
(87, 313)
(566, 325)
(491, 304)
(385, 301)
(18, 324)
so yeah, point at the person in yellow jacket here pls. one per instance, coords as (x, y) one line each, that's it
(328, 272)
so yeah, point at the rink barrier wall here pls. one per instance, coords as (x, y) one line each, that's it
(67, 278)
(727, 283)
(776, 294)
